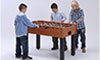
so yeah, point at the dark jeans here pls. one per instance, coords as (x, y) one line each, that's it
(22, 41)
(81, 33)
(55, 42)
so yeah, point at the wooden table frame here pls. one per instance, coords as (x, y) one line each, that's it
(38, 43)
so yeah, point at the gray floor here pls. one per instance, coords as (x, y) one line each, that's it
(8, 50)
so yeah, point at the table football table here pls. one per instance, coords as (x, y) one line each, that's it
(54, 29)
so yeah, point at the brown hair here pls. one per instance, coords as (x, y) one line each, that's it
(54, 5)
(22, 6)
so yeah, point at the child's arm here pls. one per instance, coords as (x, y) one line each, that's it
(82, 17)
(28, 23)
(51, 17)
(63, 17)
(70, 18)
(15, 21)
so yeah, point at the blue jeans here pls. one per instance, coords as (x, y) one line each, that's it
(22, 41)
(81, 33)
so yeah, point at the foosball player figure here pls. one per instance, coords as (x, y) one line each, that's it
(57, 16)
(77, 16)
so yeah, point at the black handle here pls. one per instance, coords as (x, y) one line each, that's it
(69, 33)
(46, 27)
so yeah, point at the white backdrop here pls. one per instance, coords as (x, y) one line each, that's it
(40, 9)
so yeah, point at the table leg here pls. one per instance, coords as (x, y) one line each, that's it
(73, 45)
(61, 48)
(38, 41)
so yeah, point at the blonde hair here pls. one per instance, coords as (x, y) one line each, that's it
(75, 3)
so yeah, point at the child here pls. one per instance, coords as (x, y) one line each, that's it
(77, 16)
(21, 24)
(57, 16)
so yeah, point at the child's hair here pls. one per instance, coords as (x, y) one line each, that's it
(75, 3)
(54, 5)
(22, 6)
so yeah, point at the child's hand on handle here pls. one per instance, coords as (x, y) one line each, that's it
(75, 23)
(37, 26)
(61, 21)
(51, 20)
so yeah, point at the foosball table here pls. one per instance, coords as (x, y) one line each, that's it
(54, 29)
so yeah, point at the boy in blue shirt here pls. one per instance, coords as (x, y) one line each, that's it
(77, 16)
(57, 16)
(21, 24)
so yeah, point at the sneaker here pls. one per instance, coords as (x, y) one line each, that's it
(54, 48)
(28, 58)
(18, 57)
(83, 50)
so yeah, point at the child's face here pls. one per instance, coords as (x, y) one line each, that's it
(24, 10)
(55, 10)
(74, 7)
